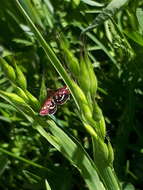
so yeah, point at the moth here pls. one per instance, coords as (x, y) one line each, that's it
(55, 97)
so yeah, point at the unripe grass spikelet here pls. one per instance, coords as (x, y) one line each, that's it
(33, 101)
(92, 76)
(111, 153)
(90, 130)
(102, 127)
(82, 101)
(83, 77)
(97, 113)
(13, 97)
(69, 56)
(73, 63)
(21, 80)
(101, 152)
(21, 93)
(8, 70)
(43, 90)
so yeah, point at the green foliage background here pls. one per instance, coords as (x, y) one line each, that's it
(115, 49)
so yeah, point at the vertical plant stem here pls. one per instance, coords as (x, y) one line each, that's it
(106, 172)
(109, 178)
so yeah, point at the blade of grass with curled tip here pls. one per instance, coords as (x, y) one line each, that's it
(109, 11)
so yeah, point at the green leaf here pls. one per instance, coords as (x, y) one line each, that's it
(22, 159)
(23, 42)
(135, 36)
(7, 106)
(6, 119)
(49, 6)
(3, 164)
(18, 103)
(32, 11)
(139, 13)
(31, 177)
(47, 185)
(76, 2)
(74, 153)
(93, 3)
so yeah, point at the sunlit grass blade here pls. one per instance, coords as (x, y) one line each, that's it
(32, 11)
(93, 3)
(75, 154)
(139, 14)
(47, 185)
(135, 36)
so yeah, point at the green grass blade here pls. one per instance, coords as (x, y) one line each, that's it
(94, 39)
(139, 14)
(135, 36)
(29, 162)
(74, 153)
(47, 185)
(3, 164)
(32, 11)
(93, 3)
(49, 52)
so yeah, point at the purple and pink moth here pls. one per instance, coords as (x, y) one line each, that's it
(57, 97)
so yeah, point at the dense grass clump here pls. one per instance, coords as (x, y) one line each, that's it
(93, 49)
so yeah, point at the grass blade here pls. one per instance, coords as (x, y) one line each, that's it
(22, 159)
(74, 153)
(47, 185)
(64, 144)
(49, 52)
(92, 3)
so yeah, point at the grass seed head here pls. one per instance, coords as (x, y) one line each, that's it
(8, 70)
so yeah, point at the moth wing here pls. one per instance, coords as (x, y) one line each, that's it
(61, 99)
(53, 108)
(49, 107)
(61, 95)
